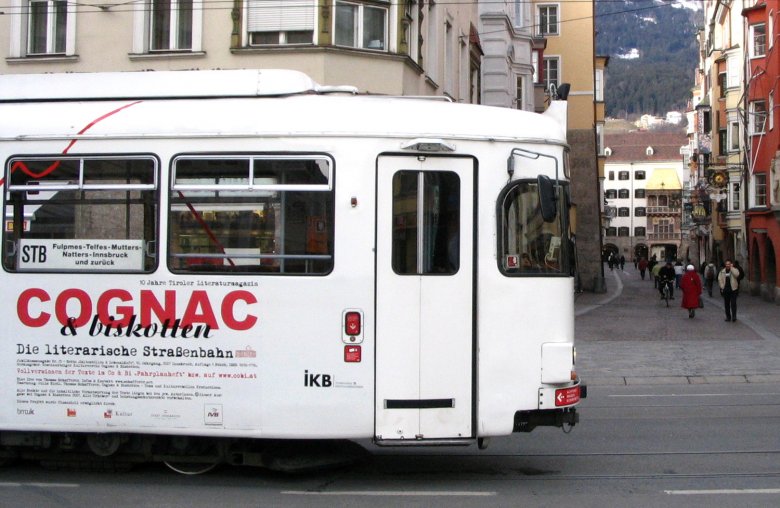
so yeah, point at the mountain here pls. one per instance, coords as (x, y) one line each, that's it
(653, 54)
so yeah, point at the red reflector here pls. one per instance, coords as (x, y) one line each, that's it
(567, 396)
(352, 354)
(352, 323)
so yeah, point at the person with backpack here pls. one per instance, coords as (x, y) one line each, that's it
(709, 276)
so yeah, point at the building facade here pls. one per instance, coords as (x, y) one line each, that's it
(762, 174)
(735, 193)
(717, 125)
(643, 195)
(509, 40)
(398, 48)
(570, 57)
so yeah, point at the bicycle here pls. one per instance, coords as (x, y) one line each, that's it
(666, 290)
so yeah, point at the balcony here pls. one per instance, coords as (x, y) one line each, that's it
(664, 210)
(664, 236)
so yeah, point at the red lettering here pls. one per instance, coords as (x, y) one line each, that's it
(228, 315)
(125, 312)
(151, 305)
(116, 307)
(23, 307)
(199, 299)
(61, 307)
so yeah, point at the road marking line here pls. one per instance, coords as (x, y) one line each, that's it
(40, 485)
(648, 395)
(430, 493)
(721, 491)
(602, 303)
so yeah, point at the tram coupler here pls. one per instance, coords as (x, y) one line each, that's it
(526, 421)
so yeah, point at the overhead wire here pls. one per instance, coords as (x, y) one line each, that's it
(207, 5)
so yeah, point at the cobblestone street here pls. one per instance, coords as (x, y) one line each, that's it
(629, 336)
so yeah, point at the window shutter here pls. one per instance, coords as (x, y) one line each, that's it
(280, 15)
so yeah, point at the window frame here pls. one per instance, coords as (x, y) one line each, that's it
(734, 133)
(81, 181)
(734, 198)
(551, 14)
(757, 40)
(439, 252)
(756, 114)
(760, 196)
(542, 257)
(299, 17)
(19, 31)
(722, 84)
(143, 29)
(359, 24)
(550, 64)
(250, 186)
(519, 89)
(599, 85)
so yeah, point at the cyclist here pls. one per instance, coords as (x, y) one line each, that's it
(666, 277)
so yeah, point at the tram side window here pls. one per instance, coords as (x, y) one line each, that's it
(91, 214)
(528, 244)
(426, 222)
(252, 213)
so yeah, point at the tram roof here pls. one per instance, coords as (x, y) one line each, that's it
(204, 103)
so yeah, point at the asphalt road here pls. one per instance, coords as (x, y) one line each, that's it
(681, 412)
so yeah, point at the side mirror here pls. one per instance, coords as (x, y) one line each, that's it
(547, 198)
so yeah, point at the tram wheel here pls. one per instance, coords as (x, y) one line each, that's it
(104, 445)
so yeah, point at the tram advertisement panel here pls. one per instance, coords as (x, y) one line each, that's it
(151, 353)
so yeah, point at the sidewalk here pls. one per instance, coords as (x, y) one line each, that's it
(629, 336)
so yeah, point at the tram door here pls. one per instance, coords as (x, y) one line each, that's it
(425, 298)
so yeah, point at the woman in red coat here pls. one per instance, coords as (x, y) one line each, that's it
(691, 289)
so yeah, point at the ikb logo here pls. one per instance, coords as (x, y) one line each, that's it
(212, 414)
(318, 380)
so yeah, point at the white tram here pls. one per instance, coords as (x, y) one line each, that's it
(249, 256)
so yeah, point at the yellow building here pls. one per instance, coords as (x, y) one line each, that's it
(570, 57)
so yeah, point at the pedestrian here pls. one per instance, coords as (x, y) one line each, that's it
(690, 283)
(622, 261)
(642, 265)
(678, 273)
(611, 261)
(709, 276)
(654, 273)
(728, 280)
